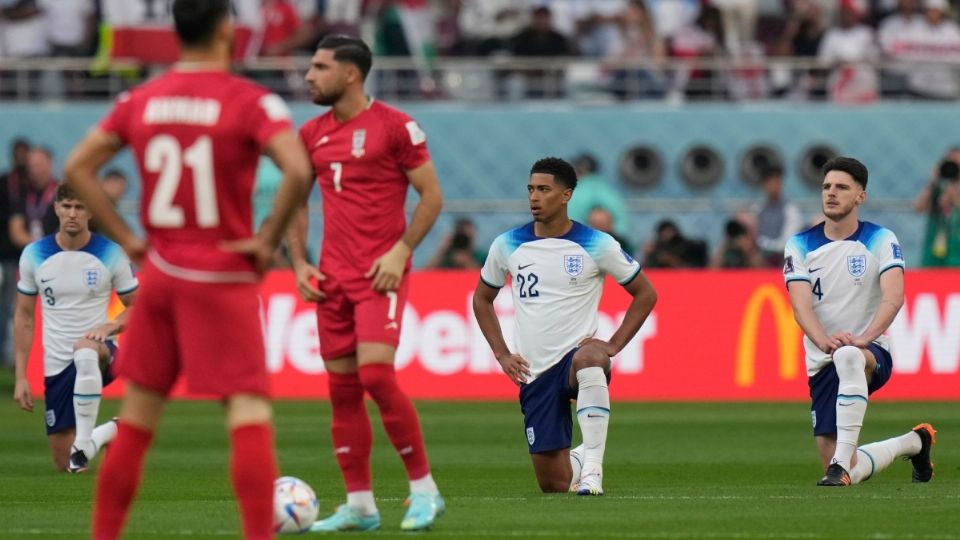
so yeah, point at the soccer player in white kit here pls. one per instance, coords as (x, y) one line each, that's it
(845, 279)
(557, 267)
(72, 272)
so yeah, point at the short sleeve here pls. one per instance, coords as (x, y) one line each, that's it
(614, 261)
(27, 284)
(269, 116)
(794, 262)
(117, 120)
(123, 279)
(887, 251)
(494, 271)
(409, 142)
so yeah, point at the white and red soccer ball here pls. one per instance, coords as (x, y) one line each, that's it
(295, 505)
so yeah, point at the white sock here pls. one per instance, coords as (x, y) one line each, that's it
(851, 402)
(424, 485)
(102, 435)
(875, 457)
(86, 397)
(362, 501)
(576, 464)
(593, 414)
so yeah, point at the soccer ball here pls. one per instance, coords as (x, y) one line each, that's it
(295, 505)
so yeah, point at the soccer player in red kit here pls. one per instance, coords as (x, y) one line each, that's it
(365, 155)
(197, 133)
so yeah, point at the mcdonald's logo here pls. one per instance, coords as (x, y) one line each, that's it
(788, 333)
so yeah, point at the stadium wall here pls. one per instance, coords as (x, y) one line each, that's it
(483, 152)
(713, 336)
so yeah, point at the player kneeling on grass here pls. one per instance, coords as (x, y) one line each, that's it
(845, 279)
(73, 273)
(557, 267)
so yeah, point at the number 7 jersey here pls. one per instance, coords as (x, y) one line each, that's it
(845, 278)
(197, 137)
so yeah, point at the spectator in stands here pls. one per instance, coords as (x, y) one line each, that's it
(739, 23)
(282, 32)
(850, 51)
(593, 190)
(669, 16)
(777, 219)
(22, 33)
(33, 217)
(114, 183)
(894, 33)
(935, 40)
(940, 200)
(637, 43)
(458, 249)
(540, 40)
(739, 247)
(486, 26)
(602, 220)
(670, 249)
(703, 39)
(12, 186)
(801, 37)
(598, 26)
(71, 27)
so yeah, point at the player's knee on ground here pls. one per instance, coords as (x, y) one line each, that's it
(590, 356)
(553, 485)
(849, 359)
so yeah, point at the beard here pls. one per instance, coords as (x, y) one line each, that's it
(327, 99)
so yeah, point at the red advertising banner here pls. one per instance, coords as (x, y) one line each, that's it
(713, 336)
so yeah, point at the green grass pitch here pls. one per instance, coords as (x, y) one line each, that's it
(690, 470)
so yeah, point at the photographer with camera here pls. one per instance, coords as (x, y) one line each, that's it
(940, 199)
(458, 249)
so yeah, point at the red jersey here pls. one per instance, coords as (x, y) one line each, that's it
(280, 21)
(197, 137)
(361, 167)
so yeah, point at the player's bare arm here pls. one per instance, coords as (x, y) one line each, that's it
(801, 298)
(93, 152)
(891, 300)
(111, 328)
(306, 273)
(387, 270)
(644, 298)
(512, 364)
(288, 153)
(23, 324)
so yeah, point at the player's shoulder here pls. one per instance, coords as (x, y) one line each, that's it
(40, 250)
(104, 249)
(871, 233)
(809, 239)
(317, 123)
(388, 112)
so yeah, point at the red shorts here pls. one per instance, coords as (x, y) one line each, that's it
(354, 313)
(211, 332)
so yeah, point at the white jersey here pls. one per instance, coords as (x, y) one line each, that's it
(74, 288)
(845, 276)
(556, 286)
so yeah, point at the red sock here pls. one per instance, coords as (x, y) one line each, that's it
(351, 432)
(118, 480)
(399, 417)
(253, 468)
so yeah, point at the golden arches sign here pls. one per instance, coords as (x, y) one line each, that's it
(788, 333)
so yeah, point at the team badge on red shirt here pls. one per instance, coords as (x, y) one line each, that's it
(359, 140)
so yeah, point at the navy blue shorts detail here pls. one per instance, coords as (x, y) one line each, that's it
(825, 385)
(545, 404)
(58, 393)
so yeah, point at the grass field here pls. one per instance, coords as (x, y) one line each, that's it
(743, 470)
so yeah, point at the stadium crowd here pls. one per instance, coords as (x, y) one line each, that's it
(855, 50)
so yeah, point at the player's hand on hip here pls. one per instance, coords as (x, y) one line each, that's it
(387, 269)
(255, 247)
(22, 395)
(102, 332)
(604, 346)
(136, 249)
(306, 274)
(515, 367)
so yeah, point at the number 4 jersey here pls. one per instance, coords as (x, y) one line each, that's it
(197, 137)
(845, 277)
(556, 286)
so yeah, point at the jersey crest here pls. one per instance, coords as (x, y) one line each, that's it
(573, 265)
(91, 277)
(359, 141)
(856, 265)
